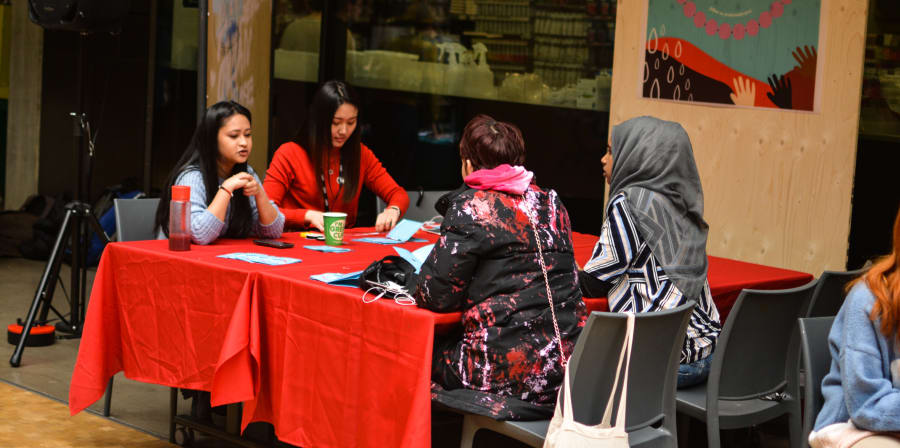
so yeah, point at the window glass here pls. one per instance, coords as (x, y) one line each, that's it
(536, 52)
(295, 39)
(880, 106)
(175, 85)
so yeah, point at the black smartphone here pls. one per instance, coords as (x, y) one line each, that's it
(274, 243)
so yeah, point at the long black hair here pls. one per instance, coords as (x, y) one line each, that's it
(315, 135)
(202, 154)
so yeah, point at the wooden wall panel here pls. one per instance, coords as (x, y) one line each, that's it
(24, 123)
(777, 183)
(238, 56)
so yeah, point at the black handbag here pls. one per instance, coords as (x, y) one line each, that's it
(392, 275)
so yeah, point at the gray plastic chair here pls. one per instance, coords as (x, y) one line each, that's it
(816, 362)
(135, 219)
(756, 356)
(650, 419)
(421, 204)
(829, 293)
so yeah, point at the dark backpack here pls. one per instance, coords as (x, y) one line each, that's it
(105, 212)
(50, 212)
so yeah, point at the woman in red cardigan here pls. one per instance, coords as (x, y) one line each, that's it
(324, 168)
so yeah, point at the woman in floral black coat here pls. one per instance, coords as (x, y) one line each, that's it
(505, 362)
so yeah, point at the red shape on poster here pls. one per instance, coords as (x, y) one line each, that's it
(699, 19)
(724, 31)
(765, 19)
(752, 27)
(777, 9)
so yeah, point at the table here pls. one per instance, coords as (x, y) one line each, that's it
(726, 277)
(323, 367)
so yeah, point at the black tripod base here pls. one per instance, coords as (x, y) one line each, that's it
(39, 336)
(67, 330)
(75, 227)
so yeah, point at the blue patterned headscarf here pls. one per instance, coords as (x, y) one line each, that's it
(653, 164)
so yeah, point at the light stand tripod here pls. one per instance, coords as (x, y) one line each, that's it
(74, 230)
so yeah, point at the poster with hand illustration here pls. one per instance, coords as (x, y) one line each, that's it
(755, 53)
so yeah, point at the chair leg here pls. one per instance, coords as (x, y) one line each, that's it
(173, 411)
(795, 426)
(107, 401)
(468, 433)
(712, 431)
(683, 427)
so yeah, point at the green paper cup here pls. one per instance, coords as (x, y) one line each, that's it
(334, 228)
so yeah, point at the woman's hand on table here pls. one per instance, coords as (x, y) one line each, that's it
(315, 219)
(387, 219)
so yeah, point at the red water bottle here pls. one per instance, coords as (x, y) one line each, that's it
(180, 218)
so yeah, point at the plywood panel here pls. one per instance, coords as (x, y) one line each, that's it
(238, 56)
(24, 123)
(777, 183)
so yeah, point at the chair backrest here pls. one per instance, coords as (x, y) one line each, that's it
(756, 352)
(829, 294)
(658, 338)
(135, 219)
(816, 363)
(421, 204)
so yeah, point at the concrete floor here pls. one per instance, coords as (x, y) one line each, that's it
(48, 370)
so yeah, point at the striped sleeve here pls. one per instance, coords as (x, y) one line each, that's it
(272, 229)
(618, 243)
(205, 227)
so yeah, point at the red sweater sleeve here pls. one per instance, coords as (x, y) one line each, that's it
(279, 177)
(380, 182)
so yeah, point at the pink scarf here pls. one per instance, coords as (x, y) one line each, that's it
(505, 178)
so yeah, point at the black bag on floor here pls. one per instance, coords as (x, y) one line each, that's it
(50, 210)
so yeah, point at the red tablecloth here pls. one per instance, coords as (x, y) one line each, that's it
(726, 277)
(323, 367)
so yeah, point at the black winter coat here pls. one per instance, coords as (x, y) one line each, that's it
(506, 362)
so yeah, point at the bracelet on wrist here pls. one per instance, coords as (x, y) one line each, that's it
(394, 207)
(230, 194)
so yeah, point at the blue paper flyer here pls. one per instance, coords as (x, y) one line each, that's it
(252, 257)
(401, 233)
(327, 249)
(349, 279)
(416, 257)
(404, 230)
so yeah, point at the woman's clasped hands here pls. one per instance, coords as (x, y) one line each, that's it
(242, 180)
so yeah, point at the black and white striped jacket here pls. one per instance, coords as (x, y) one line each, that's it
(622, 258)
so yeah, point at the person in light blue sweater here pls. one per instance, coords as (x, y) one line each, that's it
(863, 385)
(227, 198)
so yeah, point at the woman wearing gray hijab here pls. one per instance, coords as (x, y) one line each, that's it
(651, 254)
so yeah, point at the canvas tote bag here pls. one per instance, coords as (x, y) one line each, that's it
(565, 432)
